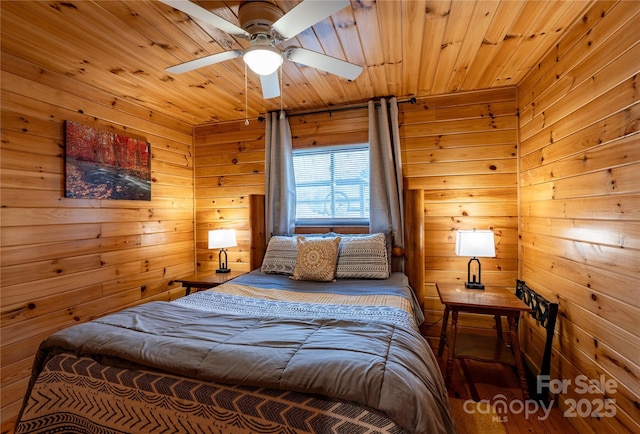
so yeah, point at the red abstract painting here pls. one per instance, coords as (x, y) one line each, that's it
(105, 165)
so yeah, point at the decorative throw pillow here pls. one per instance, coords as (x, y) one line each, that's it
(363, 257)
(280, 257)
(316, 259)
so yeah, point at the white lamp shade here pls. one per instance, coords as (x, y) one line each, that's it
(222, 238)
(263, 60)
(475, 243)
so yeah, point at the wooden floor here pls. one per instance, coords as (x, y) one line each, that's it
(492, 380)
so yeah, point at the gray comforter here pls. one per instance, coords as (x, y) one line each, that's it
(381, 362)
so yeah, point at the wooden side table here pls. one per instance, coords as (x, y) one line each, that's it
(495, 301)
(206, 280)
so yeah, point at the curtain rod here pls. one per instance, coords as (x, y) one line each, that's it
(411, 100)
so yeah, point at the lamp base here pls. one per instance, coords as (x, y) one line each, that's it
(473, 285)
(223, 270)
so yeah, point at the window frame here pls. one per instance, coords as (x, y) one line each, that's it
(329, 221)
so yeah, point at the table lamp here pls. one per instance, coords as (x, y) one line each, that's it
(219, 239)
(475, 244)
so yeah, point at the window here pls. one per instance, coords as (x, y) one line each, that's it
(332, 185)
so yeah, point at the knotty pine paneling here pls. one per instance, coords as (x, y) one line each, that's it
(580, 219)
(415, 48)
(229, 166)
(460, 148)
(66, 261)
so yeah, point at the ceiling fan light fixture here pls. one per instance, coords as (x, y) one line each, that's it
(262, 59)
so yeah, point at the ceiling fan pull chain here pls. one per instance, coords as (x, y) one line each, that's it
(246, 97)
(281, 111)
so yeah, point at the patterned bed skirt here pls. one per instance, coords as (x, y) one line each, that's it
(80, 395)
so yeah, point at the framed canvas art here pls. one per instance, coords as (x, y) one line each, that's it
(104, 165)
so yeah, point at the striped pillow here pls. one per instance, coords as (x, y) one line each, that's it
(363, 257)
(280, 257)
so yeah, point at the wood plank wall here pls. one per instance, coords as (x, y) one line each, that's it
(229, 166)
(577, 202)
(580, 207)
(461, 149)
(66, 261)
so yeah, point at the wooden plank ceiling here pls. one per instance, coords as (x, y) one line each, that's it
(408, 49)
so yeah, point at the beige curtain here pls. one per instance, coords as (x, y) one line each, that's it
(386, 173)
(280, 194)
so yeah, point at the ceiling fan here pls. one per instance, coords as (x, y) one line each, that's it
(265, 26)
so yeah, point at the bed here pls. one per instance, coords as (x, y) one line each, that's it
(271, 351)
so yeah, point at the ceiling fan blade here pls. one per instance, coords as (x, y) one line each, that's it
(323, 62)
(195, 11)
(270, 85)
(204, 61)
(305, 15)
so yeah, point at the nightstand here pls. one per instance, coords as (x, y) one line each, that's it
(206, 280)
(495, 301)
